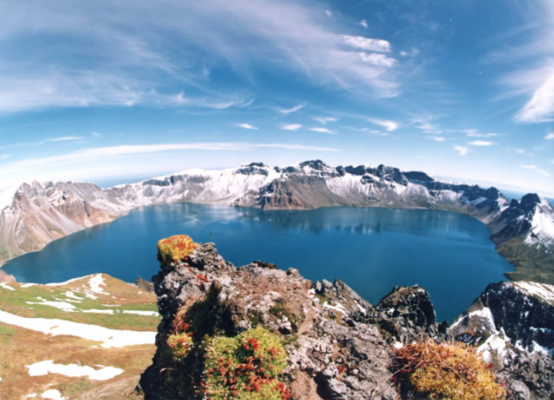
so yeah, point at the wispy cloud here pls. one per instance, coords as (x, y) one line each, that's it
(377, 59)
(481, 143)
(97, 135)
(322, 130)
(98, 153)
(291, 127)
(329, 13)
(324, 120)
(246, 126)
(387, 124)
(532, 80)
(474, 133)
(294, 109)
(64, 139)
(363, 23)
(438, 139)
(133, 60)
(461, 150)
(536, 169)
(367, 44)
(43, 142)
(4, 156)
(516, 150)
(426, 125)
(550, 136)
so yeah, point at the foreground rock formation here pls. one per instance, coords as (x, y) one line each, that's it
(337, 345)
(38, 213)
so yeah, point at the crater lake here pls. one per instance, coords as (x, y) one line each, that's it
(370, 249)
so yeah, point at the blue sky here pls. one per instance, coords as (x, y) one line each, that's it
(129, 89)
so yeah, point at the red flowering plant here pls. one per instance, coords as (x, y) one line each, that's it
(247, 366)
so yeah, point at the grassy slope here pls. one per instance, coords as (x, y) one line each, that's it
(20, 347)
(532, 263)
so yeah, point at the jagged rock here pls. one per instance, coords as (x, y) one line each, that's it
(405, 314)
(327, 357)
(513, 323)
(144, 285)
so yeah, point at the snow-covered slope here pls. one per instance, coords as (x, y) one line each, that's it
(509, 316)
(38, 213)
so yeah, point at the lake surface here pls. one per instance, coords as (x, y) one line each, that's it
(370, 249)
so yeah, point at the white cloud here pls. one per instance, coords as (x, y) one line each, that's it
(127, 58)
(363, 23)
(481, 143)
(461, 150)
(388, 125)
(329, 13)
(550, 136)
(4, 156)
(291, 127)
(540, 107)
(367, 44)
(325, 120)
(482, 135)
(425, 124)
(516, 150)
(438, 139)
(246, 126)
(97, 153)
(97, 135)
(536, 169)
(377, 59)
(64, 139)
(293, 109)
(322, 130)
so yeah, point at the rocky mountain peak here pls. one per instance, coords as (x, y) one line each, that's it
(254, 168)
(315, 164)
(529, 201)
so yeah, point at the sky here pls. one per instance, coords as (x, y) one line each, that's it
(104, 90)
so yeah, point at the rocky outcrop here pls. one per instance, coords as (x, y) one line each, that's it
(338, 346)
(144, 285)
(5, 278)
(513, 325)
(329, 354)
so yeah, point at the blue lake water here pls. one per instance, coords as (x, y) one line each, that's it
(370, 249)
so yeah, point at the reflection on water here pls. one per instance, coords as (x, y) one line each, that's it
(370, 249)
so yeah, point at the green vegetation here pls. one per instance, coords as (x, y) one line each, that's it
(446, 371)
(30, 303)
(532, 263)
(247, 366)
(179, 344)
(175, 248)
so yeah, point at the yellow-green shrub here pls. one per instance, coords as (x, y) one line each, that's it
(175, 248)
(447, 371)
(247, 366)
(179, 345)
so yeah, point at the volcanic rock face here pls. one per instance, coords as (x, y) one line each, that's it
(329, 354)
(41, 213)
(338, 346)
(513, 323)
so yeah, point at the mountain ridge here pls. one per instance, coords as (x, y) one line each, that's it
(523, 231)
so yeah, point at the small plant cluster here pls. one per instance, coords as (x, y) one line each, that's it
(179, 345)
(246, 366)
(446, 371)
(176, 248)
